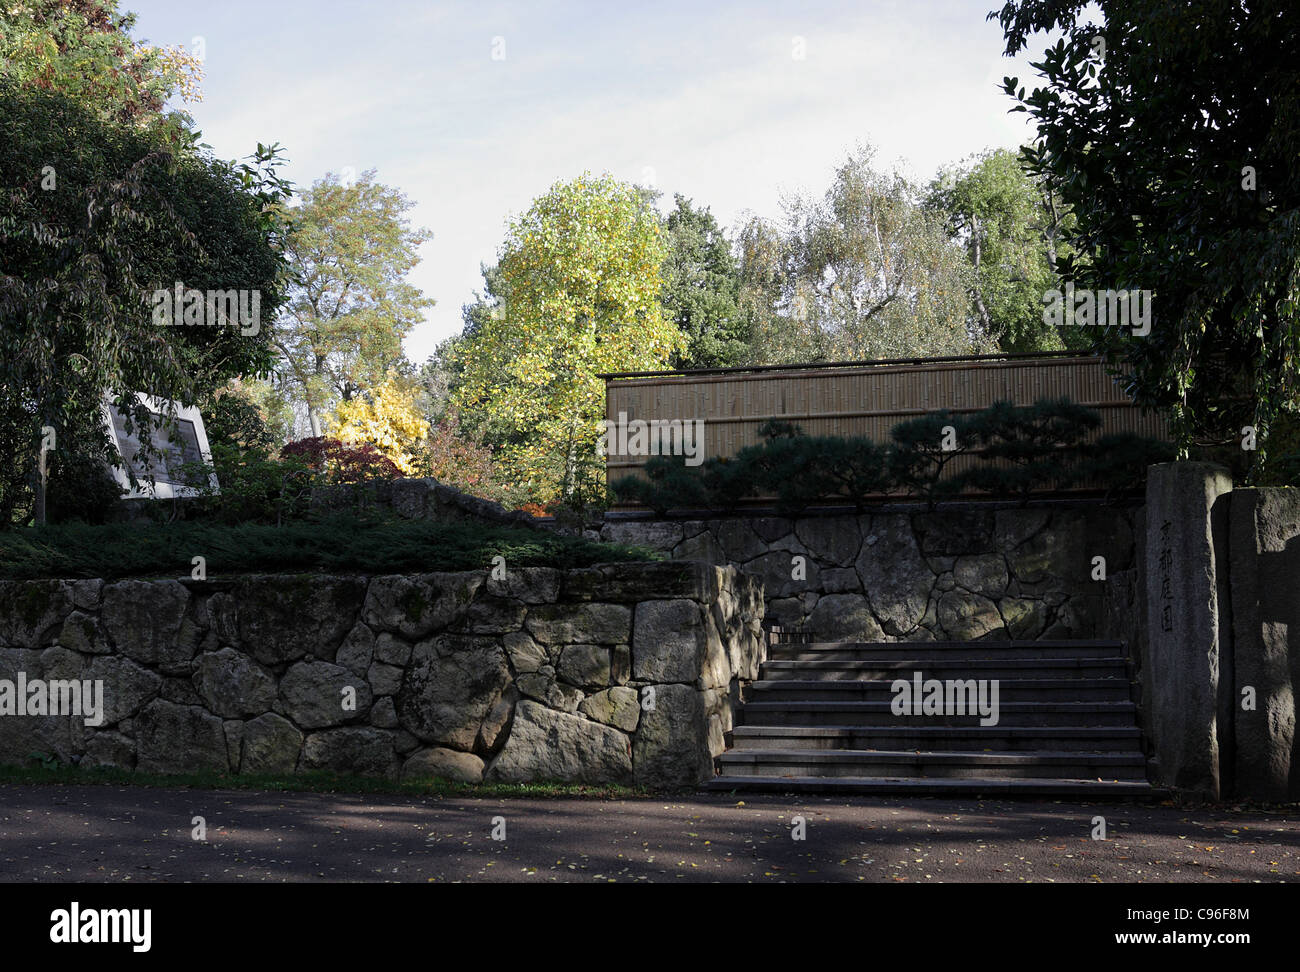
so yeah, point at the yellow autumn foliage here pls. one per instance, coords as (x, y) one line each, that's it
(388, 417)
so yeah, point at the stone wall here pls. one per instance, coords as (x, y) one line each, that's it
(966, 573)
(1221, 660)
(419, 499)
(621, 673)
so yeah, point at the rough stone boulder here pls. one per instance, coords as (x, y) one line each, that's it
(270, 744)
(314, 694)
(667, 750)
(443, 764)
(31, 612)
(352, 749)
(895, 576)
(143, 620)
(549, 745)
(175, 738)
(452, 684)
(602, 624)
(416, 606)
(280, 618)
(234, 685)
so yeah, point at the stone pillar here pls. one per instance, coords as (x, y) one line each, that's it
(1265, 578)
(1188, 631)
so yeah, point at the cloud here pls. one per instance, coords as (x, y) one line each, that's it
(709, 97)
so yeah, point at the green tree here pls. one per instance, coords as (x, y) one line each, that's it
(701, 287)
(1009, 225)
(863, 272)
(582, 282)
(98, 216)
(1171, 131)
(84, 50)
(349, 304)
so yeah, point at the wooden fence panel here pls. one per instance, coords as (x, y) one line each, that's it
(861, 399)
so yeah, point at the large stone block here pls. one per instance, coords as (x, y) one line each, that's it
(415, 606)
(1185, 626)
(532, 585)
(739, 541)
(443, 764)
(144, 619)
(984, 574)
(954, 533)
(352, 749)
(33, 612)
(1264, 555)
(782, 576)
(549, 745)
(671, 747)
(628, 583)
(269, 744)
(127, 686)
(604, 624)
(668, 641)
(315, 692)
(233, 685)
(173, 738)
(450, 687)
(281, 618)
(843, 617)
(895, 576)
(968, 617)
(618, 707)
(661, 535)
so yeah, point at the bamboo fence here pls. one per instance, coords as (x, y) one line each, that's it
(861, 398)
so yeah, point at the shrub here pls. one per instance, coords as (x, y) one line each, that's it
(801, 470)
(337, 463)
(922, 450)
(1038, 446)
(336, 544)
(1038, 443)
(1119, 462)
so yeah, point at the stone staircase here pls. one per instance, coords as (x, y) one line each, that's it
(819, 719)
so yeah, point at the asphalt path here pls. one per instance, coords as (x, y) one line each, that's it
(137, 834)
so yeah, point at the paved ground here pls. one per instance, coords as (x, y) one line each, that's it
(103, 833)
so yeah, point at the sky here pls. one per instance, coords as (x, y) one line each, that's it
(474, 109)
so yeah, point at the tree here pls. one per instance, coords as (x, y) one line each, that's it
(1008, 224)
(99, 216)
(863, 272)
(700, 289)
(1171, 131)
(84, 50)
(349, 305)
(582, 276)
(387, 416)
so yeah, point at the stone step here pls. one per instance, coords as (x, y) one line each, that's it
(943, 765)
(943, 667)
(878, 690)
(991, 787)
(1096, 739)
(879, 714)
(917, 651)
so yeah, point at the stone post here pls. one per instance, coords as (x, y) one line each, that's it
(1188, 623)
(1265, 558)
